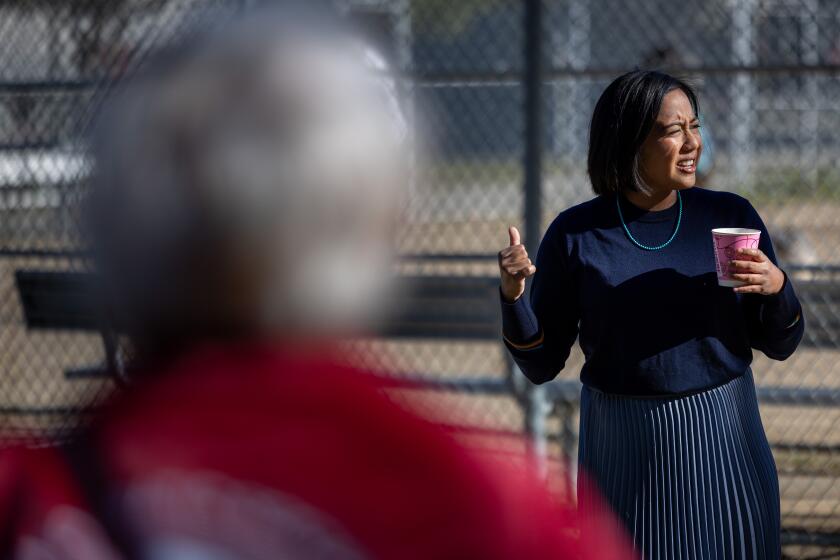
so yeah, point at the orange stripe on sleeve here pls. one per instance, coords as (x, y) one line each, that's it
(529, 346)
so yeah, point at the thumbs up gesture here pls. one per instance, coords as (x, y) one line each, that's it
(515, 267)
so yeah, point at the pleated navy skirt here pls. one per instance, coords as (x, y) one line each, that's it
(689, 476)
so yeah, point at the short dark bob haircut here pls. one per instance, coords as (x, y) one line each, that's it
(623, 117)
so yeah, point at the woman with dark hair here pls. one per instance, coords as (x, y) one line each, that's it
(670, 431)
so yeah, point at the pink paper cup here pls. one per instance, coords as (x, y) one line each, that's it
(727, 241)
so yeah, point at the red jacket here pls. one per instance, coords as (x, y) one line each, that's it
(253, 452)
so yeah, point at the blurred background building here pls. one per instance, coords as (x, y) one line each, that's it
(499, 149)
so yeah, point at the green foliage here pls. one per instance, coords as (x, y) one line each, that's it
(791, 183)
(450, 17)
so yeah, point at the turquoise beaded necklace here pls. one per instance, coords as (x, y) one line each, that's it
(633, 239)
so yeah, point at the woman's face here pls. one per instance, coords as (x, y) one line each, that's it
(669, 155)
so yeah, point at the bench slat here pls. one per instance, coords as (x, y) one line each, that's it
(58, 300)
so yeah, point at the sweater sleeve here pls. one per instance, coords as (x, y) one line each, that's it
(776, 322)
(540, 333)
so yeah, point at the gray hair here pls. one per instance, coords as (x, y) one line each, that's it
(250, 185)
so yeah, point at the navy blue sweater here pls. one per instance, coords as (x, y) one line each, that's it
(650, 322)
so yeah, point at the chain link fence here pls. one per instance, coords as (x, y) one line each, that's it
(768, 77)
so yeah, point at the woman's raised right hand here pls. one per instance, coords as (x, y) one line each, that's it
(515, 267)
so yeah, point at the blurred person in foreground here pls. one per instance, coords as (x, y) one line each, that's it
(245, 204)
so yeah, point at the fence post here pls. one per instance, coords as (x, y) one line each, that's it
(535, 402)
(537, 408)
(743, 92)
(532, 88)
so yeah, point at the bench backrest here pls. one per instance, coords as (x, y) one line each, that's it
(821, 306)
(465, 308)
(59, 300)
(437, 307)
(429, 306)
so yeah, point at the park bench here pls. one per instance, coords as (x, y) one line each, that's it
(64, 300)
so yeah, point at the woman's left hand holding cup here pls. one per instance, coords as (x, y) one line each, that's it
(758, 272)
